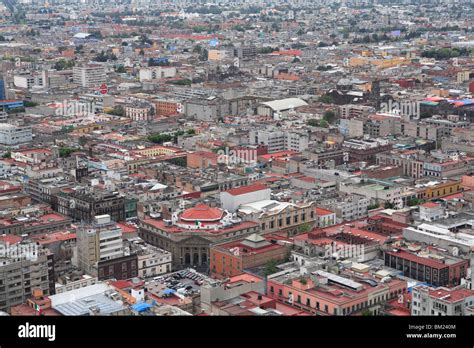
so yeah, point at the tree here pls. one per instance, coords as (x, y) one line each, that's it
(160, 138)
(66, 151)
(323, 123)
(373, 206)
(329, 116)
(120, 69)
(191, 131)
(29, 104)
(82, 140)
(326, 99)
(414, 201)
(313, 122)
(306, 227)
(105, 56)
(7, 154)
(117, 111)
(271, 267)
(63, 64)
(389, 205)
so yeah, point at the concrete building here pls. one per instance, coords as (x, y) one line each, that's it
(156, 72)
(189, 233)
(442, 301)
(84, 206)
(14, 135)
(98, 241)
(208, 109)
(152, 261)
(230, 259)
(314, 292)
(375, 191)
(89, 76)
(431, 211)
(273, 216)
(139, 112)
(443, 237)
(279, 108)
(232, 199)
(432, 269)
(277, 140)
(23, 268)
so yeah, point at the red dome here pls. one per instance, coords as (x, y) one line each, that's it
(202, 212)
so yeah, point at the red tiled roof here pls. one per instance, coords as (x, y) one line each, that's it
(10, 239)
(418, 259)
(449, 295)
(202, 212)
(322, 211)
(246, 189)
(430, 205)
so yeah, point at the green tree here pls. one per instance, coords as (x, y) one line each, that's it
(373, 206)
(82, 140)
(29, 104)
(414, 201)
(7, 154)
(160, 138)
(329, 116)
(118, 110)
(66, 151)
(120, 69)
(326, 99)
(271, 267)
(306, 227)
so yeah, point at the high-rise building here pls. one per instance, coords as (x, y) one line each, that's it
(98, 241)
(92, 75)
(24, 266)
(14, 135)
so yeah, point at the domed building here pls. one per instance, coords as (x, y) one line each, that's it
(190, 232)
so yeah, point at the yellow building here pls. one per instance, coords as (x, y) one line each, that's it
(440, 190)
(157, 151)
(87, 128)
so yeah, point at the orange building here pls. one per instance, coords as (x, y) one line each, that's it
(230, 259)
(167, 107)
(202, 159)
(325, 293)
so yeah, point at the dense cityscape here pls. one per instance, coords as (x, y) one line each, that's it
(236, 158)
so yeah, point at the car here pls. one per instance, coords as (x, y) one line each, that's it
(189, 287)
(157, 279)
